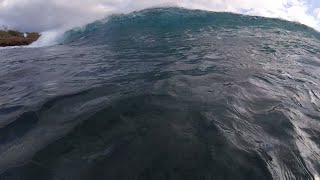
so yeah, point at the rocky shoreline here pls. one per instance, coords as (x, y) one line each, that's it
(15, 38)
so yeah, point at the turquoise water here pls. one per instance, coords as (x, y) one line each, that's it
(164, 93)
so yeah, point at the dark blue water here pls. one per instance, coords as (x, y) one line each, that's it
(164, 94)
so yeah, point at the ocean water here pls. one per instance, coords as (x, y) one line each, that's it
(164, 93)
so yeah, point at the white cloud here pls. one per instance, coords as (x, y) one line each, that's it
(293, 10)
(317, 13)
(40, 15)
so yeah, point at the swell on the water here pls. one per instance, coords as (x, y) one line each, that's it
(165, 93)
(59, 36)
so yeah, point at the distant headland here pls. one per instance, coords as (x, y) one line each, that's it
(16, 38)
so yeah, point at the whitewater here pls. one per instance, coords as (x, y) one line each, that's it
(164, 93)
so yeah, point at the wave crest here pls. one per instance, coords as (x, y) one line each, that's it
(160, 20)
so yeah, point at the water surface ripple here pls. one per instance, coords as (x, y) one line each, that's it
(164, 94)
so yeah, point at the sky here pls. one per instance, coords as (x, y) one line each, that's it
(48, 15)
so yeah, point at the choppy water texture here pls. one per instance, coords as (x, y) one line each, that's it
(164, 93)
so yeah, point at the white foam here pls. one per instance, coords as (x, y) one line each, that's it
(12, 47)
(48, 38)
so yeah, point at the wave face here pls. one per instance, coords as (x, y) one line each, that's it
(164, 93)
(160, 22)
